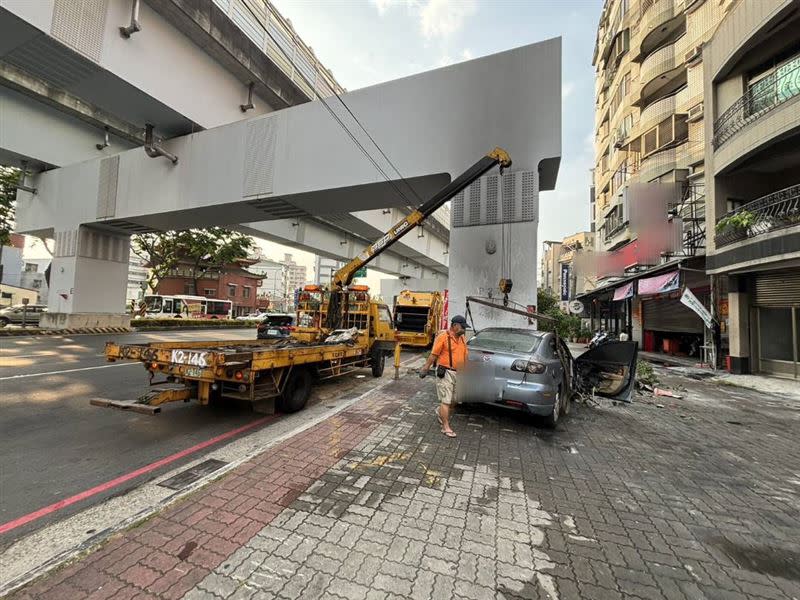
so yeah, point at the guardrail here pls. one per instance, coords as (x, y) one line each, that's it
(774, 211)
(763, 97)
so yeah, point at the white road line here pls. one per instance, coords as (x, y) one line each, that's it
(67, 371)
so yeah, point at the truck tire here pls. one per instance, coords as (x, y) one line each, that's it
(296, 393)
(378, 363)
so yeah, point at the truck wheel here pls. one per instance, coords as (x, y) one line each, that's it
(378, 363)
(296, 393)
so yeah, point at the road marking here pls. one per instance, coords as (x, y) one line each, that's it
(68, 371)
(103, 487)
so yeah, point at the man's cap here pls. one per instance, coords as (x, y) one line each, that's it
(458, 319)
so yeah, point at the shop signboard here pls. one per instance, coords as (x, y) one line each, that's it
(690, 300)
(564, 282)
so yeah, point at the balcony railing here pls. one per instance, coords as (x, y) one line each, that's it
(775, 211)
(662, 60)
(769, 93)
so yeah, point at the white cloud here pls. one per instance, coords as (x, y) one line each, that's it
(443, 18)
(437, 18)
(466, 54)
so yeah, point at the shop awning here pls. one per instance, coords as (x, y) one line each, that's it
(659, 284)
(624, 292)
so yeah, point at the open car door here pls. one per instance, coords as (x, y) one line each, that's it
(608, 370)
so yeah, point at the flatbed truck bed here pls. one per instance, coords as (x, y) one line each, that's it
(273, 373)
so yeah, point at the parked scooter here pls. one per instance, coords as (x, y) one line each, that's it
(599, 338)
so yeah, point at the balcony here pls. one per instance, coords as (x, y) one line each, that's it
(662, 162)
(658, 20)
(763, 97)
(662, 71)
(775, 211)
(657, 112)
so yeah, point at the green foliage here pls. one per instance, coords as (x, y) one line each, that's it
(567, 326)
(645, 373)
(739, 221)
(9, 177)
(205, 250)
(193, 323)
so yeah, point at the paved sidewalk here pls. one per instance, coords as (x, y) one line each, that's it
(699, 499)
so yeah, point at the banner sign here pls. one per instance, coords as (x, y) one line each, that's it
(690, 300)
(445, 310)
(564, 282)
(624, 292)
(659, 284)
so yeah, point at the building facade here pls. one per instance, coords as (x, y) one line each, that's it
(272, 287)
(752, 108)
(324, 270)
(296, 278)
(565, 267)
(232, 282)
(649, 174)
(34, 277)
(138, 277)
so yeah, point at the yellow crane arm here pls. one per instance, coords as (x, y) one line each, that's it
(344, 276)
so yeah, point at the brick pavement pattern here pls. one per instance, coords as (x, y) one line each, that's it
(694, 500)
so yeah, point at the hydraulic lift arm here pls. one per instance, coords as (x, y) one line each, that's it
(344, 276)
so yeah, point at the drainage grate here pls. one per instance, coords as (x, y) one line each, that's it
(189, 476)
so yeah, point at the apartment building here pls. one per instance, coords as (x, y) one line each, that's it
(650, 160)
(563, 274)
(752, 172)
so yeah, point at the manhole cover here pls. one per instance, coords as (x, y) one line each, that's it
(192, 474)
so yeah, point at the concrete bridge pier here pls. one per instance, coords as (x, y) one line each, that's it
(88, 279)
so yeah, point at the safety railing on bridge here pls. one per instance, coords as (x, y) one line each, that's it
(274, 35)
(774, 211)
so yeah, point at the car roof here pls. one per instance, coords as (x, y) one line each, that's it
(531, 332)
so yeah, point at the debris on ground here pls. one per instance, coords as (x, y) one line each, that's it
(667, 393)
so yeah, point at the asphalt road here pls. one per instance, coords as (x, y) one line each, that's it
(54, 445)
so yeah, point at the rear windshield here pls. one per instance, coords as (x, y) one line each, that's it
(280, 320)
(508, 340)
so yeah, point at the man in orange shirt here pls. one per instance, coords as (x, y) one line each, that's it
(450, 352)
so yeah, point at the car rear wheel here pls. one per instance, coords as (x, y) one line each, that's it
(296, 393)
(4, 322)
(551, 420)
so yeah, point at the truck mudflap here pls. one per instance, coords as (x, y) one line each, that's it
(149, 403)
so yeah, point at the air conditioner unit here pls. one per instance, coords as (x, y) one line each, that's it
(695, 113)
(693, 55)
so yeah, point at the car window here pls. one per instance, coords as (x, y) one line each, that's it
(280, 321)
(548, 350)
(506, 340)
(384, 314)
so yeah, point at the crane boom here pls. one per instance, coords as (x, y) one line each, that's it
(344, 276)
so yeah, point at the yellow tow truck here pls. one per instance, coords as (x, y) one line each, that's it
(417, 316)
(339, 329)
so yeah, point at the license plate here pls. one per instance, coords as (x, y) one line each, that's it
(188, 357)
(193, 372)
(273, 332)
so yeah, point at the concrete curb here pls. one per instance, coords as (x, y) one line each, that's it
(83, 330)
(100, 330)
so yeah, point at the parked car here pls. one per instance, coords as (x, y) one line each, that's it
(275, 325)
(256, 316)
(12, 315)
(534, 371)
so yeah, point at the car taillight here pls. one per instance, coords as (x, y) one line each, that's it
(525, 366)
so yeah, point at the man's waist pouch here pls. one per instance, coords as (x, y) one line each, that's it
(441, 370)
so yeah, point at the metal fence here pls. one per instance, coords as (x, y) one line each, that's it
(762, 97)
(777, 210)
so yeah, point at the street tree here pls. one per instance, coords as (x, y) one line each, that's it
(203, 251)
(8, 196)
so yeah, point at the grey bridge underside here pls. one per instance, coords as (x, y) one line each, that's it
(297, 166)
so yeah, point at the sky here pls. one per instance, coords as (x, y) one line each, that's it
(364, 42)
